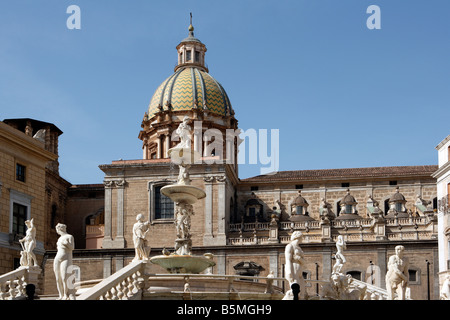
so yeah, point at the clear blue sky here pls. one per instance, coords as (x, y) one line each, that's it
(341, 95)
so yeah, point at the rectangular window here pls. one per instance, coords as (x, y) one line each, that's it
(164, 207)
(188, 55)
(412, 275)
(393, 182)
(20, 172)
(345, 184)
(299, 210)
(348, 208)
(19, 218)
(298, 186)
(254, 188)
(197, 56)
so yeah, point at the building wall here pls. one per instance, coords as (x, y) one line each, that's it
(443, 191)
(17, 147)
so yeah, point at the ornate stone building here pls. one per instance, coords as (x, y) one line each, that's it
(246, 223)
(443, 193)
(30, 187)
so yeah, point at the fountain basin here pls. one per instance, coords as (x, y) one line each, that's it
(183, 193)
(183, 263)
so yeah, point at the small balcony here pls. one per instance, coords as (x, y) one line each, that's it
(94, 236)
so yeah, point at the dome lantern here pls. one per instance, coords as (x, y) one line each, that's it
(191, 52)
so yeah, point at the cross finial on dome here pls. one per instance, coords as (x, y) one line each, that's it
(191, 27)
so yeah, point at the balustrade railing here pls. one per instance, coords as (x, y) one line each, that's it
(12, 284)
(125, 284)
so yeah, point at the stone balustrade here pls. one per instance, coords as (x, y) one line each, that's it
(12, 284)
(353, 230)
(125, 284)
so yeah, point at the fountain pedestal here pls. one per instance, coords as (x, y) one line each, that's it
(184, 195)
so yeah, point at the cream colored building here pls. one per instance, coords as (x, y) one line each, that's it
(23, 162)
(443, 193)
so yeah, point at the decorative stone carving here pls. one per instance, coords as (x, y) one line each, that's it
(183, 212)
(295, 261)
(28, 258)
(108, 184)
(140, 230)
(62, 265)
(325, 210)
(341, 287)
(397, 274)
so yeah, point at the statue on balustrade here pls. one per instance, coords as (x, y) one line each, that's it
(140, 229)
(339, 256)
(294, 264)
(62, 265)
(397, 274)
(28, 258)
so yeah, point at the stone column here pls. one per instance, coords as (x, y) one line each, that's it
(107, 266)
(159, 147)
(382, 264)
(167, 145)
(221, 210)
(208, 235)
(327, 264)
(119, 240)
(108, 214)
(274, 265)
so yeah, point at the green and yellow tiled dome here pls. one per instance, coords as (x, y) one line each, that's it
(187, 85)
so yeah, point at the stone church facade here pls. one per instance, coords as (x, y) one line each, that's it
(246, 223)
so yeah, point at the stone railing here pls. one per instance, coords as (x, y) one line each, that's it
(353, 230)
(12, 284)
(372, 292)
(125, 284)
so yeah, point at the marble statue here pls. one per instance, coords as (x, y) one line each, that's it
(28, 258)
(295, 261)
(184, 132)
(341, 287)
(340, 259)
(445, 290)
(183, 212)
(63, 263)
(397, 274)
(183, 175)
(269, 282)
(140, 230)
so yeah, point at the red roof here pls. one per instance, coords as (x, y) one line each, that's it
(347, 173)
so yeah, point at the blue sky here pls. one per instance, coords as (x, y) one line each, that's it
(340, 94)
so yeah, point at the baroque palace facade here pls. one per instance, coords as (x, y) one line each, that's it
(244, 223)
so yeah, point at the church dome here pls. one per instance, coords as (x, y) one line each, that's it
(188, 88)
